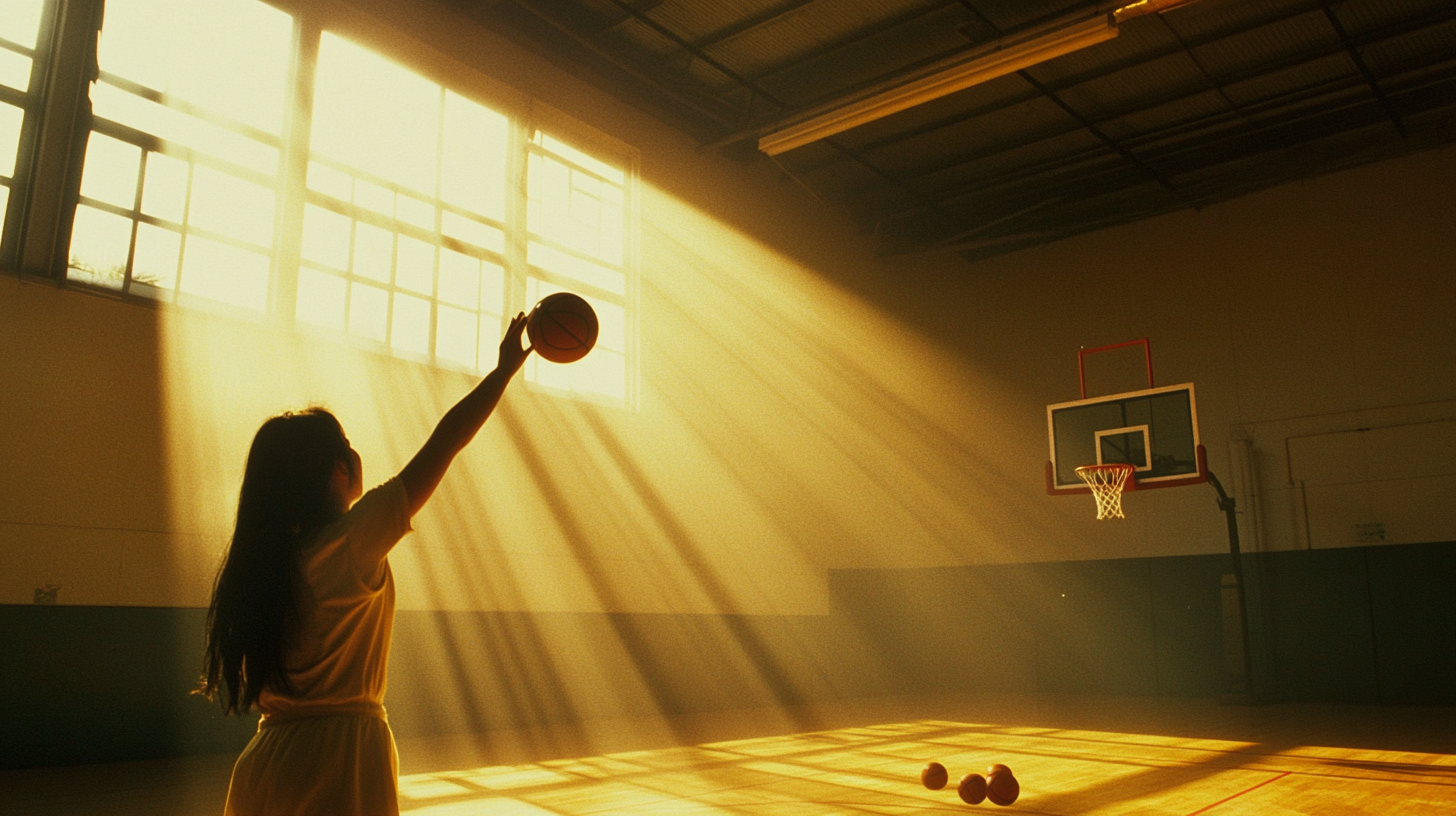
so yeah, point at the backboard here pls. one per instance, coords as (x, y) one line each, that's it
(1154, 430)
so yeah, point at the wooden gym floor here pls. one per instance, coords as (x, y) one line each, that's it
(1073, 755)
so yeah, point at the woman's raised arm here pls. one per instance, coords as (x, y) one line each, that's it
(460, 424)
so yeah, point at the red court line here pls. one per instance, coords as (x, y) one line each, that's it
(1240, 793)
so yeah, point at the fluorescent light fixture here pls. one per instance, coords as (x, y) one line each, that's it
(954, 78)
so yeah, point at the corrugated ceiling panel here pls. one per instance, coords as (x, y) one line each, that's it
(813, 28)
(1009, 15)
(1199, 107)
(1327, 72)
(696, 19)
(1360, 16)
(1134, 88)
(1215, 18)
(1398, 55)
(883, 54)
(987, 100)
(1021, 124)
(1002, 167)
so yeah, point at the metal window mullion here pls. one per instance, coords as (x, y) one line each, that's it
(439, 228)
(291, 181)
(136, 206)
(53, 138)
(517, 202)
(186, 232)
(349, 273)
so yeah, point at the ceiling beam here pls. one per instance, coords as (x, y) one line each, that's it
(1363, 69)
(748, 24)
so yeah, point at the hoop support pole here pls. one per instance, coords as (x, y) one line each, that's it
(1082, 355)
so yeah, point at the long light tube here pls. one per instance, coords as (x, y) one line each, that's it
(942, 83)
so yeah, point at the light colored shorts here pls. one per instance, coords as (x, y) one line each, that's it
(337, 765)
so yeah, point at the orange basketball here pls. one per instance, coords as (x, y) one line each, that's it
(1002, 788)
(562, 328)
(972, 789)
(934, 776)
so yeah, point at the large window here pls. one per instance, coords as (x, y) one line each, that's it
(394, 211)
(182, 169)
(20, 25)
(404, 229)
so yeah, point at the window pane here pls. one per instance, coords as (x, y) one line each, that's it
(229, 57)
(373, 252)
(455, 336)
(111, 170)
(10, 118)
(473, 232)
(368, 311)
(371, 196)
(164, 190)
(415, 268)
(224, 273)
(155, 260)
(321, 299)
(99, 245)
(330, 182)
(415, 212)
(411, 330)
(326, 236)
(20, 21)
(575, 210)
(492, 328)
(474, 160)
(372, 114)
(14, 70)
(460, 281)
(226, 204)
(492, 288)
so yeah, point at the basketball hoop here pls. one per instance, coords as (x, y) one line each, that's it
(1107, 483)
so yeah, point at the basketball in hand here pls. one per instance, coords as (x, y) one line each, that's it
(562, 328)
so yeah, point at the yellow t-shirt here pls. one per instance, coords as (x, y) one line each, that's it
(339, 659)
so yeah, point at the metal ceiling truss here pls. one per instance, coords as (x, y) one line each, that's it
(1252, 72)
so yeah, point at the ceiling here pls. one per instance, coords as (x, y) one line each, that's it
(1198, 104)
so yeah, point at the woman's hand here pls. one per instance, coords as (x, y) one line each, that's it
(512, 354)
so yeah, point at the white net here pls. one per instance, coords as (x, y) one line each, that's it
(1107, 482)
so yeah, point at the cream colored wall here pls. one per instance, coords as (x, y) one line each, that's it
(804, 404)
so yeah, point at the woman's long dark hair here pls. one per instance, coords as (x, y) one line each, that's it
(286, 499)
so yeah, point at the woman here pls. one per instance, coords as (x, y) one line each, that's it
(304, 604)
